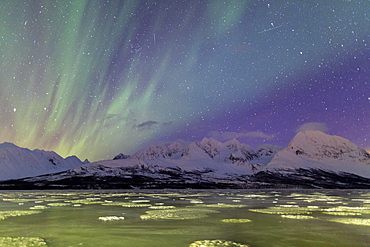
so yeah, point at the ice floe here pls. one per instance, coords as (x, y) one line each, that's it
(298, 217)
(362, 210)
(216, 243)
(236, 220)
(362, 200)
(128, 204)
(177, 214)
(221, 205)
(111, 218)
(141, 201)
(18, 200)
(352, 221)
(7, 214)
(317, 197)
(22, 242)
(196, 201)
(39, 207)
(341, 213)
(59, 204)
(85, 201)
(256, 196)
(284, 210)
(162, 207)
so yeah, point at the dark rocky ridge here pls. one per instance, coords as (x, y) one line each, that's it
(180, 179)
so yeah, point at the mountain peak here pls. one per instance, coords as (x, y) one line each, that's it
(209, 141)
(17, 162)
(8, 145)
(210, 146)
(121, 156)
(236, 145)
(315, 149)
(234, 142)
(316, 142)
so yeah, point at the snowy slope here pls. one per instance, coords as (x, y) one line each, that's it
(316, 150)
(207, 159)
(231, 157)
(204, 164)
(312, 160)
(16, 162)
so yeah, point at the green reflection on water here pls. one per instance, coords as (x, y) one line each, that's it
(180, 218)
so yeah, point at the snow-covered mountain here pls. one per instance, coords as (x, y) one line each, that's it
(16, 162)
(205, 163)
(231, 157)
(316, 150)
(158, 151)
(208, 157)
(311, 160)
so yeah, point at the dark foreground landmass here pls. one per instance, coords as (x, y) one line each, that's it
(300, 178)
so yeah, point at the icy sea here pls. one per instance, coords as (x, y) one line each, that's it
(174, 218)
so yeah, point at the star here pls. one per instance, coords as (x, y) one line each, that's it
(98, 78)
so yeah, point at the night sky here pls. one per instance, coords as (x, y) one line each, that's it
(96, 78)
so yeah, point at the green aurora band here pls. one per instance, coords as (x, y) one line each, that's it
(76, 78)
(95, 78)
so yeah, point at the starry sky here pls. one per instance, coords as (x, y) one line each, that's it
(97, 78)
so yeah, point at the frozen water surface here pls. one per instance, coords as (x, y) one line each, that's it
(22, 242)
(185, 218)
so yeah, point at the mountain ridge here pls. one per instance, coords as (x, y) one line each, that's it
(314, 149)
(17, 162)
(311, 160)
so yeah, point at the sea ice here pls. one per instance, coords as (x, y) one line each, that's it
(162, 207)
(59, 204)
(297, 217)
(7, 214)
(111, 218)
(220, 205)
(285, 210)
(352, 221)
(236, 220)
(216, 243)
(128, 204)
(39, 207)
(177, 214)
(341, 213)
(22, 242)
(362, 210)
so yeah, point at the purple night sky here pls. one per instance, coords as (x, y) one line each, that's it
(97, 78)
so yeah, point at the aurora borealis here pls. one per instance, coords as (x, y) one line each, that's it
(96, 78)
